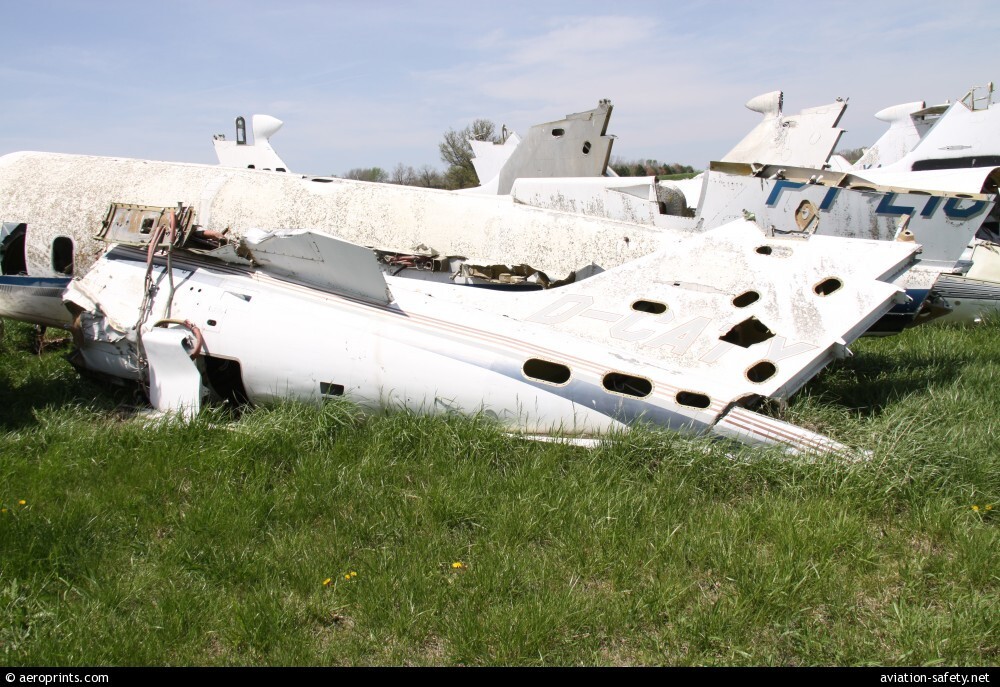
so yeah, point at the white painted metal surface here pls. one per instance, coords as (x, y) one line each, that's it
(907, 122)
(482, 230)
(258, 154)
(805, 139)
(709, 322)
(174, 380)
(576, 146)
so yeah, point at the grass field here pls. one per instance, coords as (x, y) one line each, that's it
(299, 535)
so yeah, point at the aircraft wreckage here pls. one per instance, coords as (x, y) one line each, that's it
(932, 178)
(264, 285)
(651, 311)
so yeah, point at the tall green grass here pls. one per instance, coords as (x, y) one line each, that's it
(233, 541)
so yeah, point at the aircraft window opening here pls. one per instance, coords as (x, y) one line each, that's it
(628, 385)
(827, 286)
(747, 333)
(764, 250)
(280, 169)
(12, 254)
(586, 147)
(693, 399)
(251, 166)
(761, 372)
(546, 371)
(746, 298)
(147, 225)
(654, 307)
(556, 133)
(62, 255)
(211, 323)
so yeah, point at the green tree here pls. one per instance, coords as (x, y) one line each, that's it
(457, 153)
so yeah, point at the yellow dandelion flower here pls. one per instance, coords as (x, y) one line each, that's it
(22, 502)
(3, 510)
(989, 507)
(975, 508)
(327, 581)
(457, 565)
(347, 577)
(353, 574)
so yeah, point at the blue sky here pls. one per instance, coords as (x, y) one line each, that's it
(360, 84)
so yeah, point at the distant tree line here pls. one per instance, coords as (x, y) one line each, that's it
(456, 154)
(648, 168)
(405, 175)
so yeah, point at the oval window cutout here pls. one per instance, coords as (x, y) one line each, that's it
(654, 307)
(546, 371)
(746, 298)
(629, 385)
(827, 286)
(693, 400)
(62, 255)
(556, 133)
(761, 372)
(764, 250)
(586, 147)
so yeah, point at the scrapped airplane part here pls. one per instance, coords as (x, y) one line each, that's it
(908, 123)
(34, 299)
(577, 146)
(974, 296)
(629, 199)
(257, 155)
(750, 427)
(318, 260)
(788, 200)
(689, 337)
(174, 379)
(462, 230)
(959, 153)
(140, 225)
(794, 201)
(802, 140)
